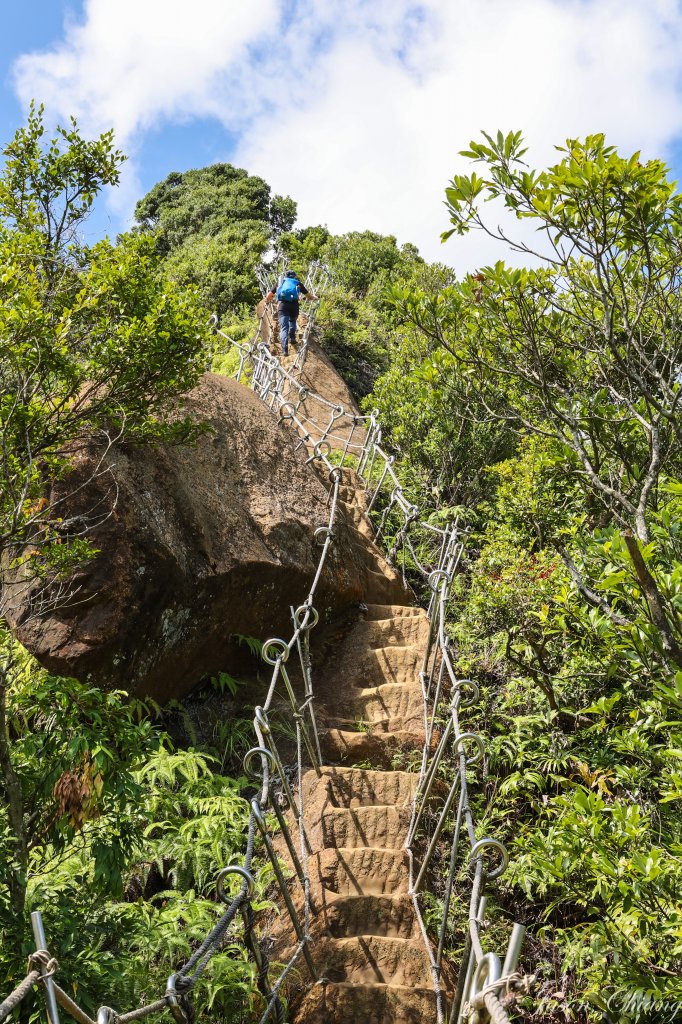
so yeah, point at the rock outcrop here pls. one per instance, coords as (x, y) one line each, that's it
(204, 543)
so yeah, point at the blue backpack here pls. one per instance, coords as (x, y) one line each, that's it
(288, 290)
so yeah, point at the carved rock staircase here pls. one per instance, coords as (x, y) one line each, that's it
(367, 945)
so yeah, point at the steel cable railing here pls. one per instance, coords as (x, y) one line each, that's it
(431, 554)
(482, 977)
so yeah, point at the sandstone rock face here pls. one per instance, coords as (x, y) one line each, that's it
(204, 542)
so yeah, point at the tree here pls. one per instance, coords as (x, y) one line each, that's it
(588, 346)
(213, 225)
(94, 346)
(566, 609)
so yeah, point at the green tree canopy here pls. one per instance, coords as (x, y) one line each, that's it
(213, 224)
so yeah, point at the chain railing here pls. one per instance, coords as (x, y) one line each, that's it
(432, 554)
(335, 439)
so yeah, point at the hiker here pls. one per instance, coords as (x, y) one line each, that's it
(288, 293)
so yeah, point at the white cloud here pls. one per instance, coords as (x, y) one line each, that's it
(358, 110)
(375, 146)
(129, 63)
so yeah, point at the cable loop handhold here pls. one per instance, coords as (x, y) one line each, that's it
(459, 742)
(320, 450)
(306, 617)
(437, 577)
(173, 1001)
(487, 974)
(488, 843)
(273, 645)
(335, 474)
(289, 414)
(322, 533)
(213, 322)
(249, 756)
(468, 684)
(233, 869)
(303, 394)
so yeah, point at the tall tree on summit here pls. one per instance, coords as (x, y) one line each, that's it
(213, 224)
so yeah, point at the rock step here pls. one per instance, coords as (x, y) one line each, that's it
(374, 667)
(377, 827)
(392, 916)
(379, 747)
(345, 871)
(368, 1004)
(405, 631)
(349, 495)
(359, 787)
(381, 577)
(376, 612)
(359, 520)
(373, 960)
(396, 699)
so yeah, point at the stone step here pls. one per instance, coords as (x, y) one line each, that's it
(381, 577)
(373, 960)
(358, 787)
(377, 827)
(391, 916)
(404, 631)
(359, 521)
(367, 1004)
(378, 747)
(376, 612)
(389, 701)
(385, 664)
(360, 872)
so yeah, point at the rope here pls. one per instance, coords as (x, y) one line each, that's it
(126, 1018)
(67, 1003)
(13, 1000)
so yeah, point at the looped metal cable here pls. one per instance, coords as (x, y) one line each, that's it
(272, 645)
(437, 578)
(287, 411)
(260, 752)
(321, 450)
(488, 843)
(322, 533)
(466, 684)
(233, 869)
(469, 737)
(306, 617)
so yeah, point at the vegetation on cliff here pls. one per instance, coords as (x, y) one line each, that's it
(540, 405)
(544, 403)
(112, 834)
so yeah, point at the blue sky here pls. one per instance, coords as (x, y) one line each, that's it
(356, 110)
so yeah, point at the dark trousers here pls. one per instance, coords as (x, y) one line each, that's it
(287, 330)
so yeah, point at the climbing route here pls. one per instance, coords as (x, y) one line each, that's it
(367, 941)
(371, 787)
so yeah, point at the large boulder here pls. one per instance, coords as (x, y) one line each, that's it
(204, 543)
